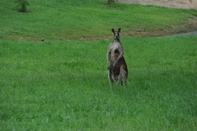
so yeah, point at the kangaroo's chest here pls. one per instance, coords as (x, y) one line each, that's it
(115, 51)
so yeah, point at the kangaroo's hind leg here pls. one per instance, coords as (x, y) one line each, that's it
(110, 77)
(123, 75)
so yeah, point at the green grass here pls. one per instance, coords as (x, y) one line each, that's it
(61, 83)
(64, 86)
(74, 19)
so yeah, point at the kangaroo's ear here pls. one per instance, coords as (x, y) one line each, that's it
(119, 29)
(112, 30)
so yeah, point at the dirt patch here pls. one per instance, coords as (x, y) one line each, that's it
(186, 4)
(189, 27)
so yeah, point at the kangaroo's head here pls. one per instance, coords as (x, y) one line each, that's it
(116, 34)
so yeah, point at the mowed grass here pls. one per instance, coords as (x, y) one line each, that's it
(75, 19)
(64, 86)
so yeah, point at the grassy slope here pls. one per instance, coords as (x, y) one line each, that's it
(49, 86)
(59, 20)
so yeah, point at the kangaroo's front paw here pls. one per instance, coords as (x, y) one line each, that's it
(114, 65)
(110, 67)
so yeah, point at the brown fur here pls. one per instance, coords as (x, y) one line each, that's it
(117, 67)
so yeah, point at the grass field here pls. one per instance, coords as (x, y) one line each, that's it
(64, 86)
(74, 19)
(61, 83)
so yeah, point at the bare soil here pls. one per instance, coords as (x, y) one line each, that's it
(187, 4)
(189, 27)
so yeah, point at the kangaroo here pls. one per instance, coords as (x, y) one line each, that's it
(117, 67)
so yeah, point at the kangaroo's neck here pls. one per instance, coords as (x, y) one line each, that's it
(116, 40)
